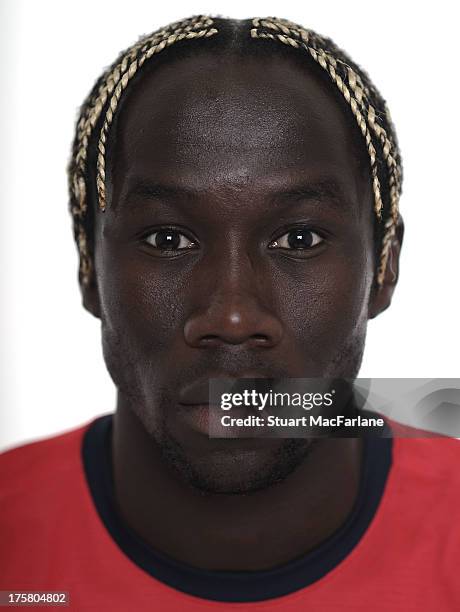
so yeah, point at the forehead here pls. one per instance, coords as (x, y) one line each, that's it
(233, 124)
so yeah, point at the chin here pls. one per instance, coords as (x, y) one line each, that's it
(234, 467)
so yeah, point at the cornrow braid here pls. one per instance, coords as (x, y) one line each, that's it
(367, 107)
(106, 96)
(363, 99)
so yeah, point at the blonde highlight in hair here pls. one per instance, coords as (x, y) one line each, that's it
(357, 95)
(106, 95)
(360, 95)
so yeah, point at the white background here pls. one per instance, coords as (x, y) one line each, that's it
(52, 372)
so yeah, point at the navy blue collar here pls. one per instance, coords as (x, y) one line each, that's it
(236, 586)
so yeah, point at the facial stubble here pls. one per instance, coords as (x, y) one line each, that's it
(226, 469)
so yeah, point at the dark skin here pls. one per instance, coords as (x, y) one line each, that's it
(231, 158)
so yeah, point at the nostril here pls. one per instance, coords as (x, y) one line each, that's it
(260, 339)
(209, 339)
(213, 339)
(235, 321)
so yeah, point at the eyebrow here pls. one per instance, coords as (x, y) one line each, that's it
(147, 190)
(325, 191)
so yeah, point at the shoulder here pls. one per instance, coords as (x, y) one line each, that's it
(40, 464)
(45, 507)
(426, 456)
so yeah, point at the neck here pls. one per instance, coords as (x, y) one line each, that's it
(251, 532)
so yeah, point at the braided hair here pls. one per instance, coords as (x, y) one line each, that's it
(87, 167)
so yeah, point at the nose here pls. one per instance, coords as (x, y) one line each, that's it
(233, 314)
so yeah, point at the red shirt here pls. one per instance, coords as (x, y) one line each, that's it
(399, 550)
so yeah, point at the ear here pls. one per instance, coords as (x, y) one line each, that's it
(381, 295)
(90, 296)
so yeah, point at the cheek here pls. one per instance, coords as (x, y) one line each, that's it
(141, 318)
(144, 307)
(326, 302)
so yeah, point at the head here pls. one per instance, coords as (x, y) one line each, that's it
(234, 190)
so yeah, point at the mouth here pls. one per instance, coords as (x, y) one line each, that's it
(197, 393)
(203, 414)
(213, 422)
(196, 416)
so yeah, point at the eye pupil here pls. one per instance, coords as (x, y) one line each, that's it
(167, 239)
(300, 238)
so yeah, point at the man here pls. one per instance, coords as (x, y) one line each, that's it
(234, 191)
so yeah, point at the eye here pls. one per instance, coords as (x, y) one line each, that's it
(169, 239)
(298, 238)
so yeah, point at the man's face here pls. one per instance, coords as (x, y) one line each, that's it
(237, 242)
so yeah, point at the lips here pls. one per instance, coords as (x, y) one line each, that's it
(203, 416)
(197, 393)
